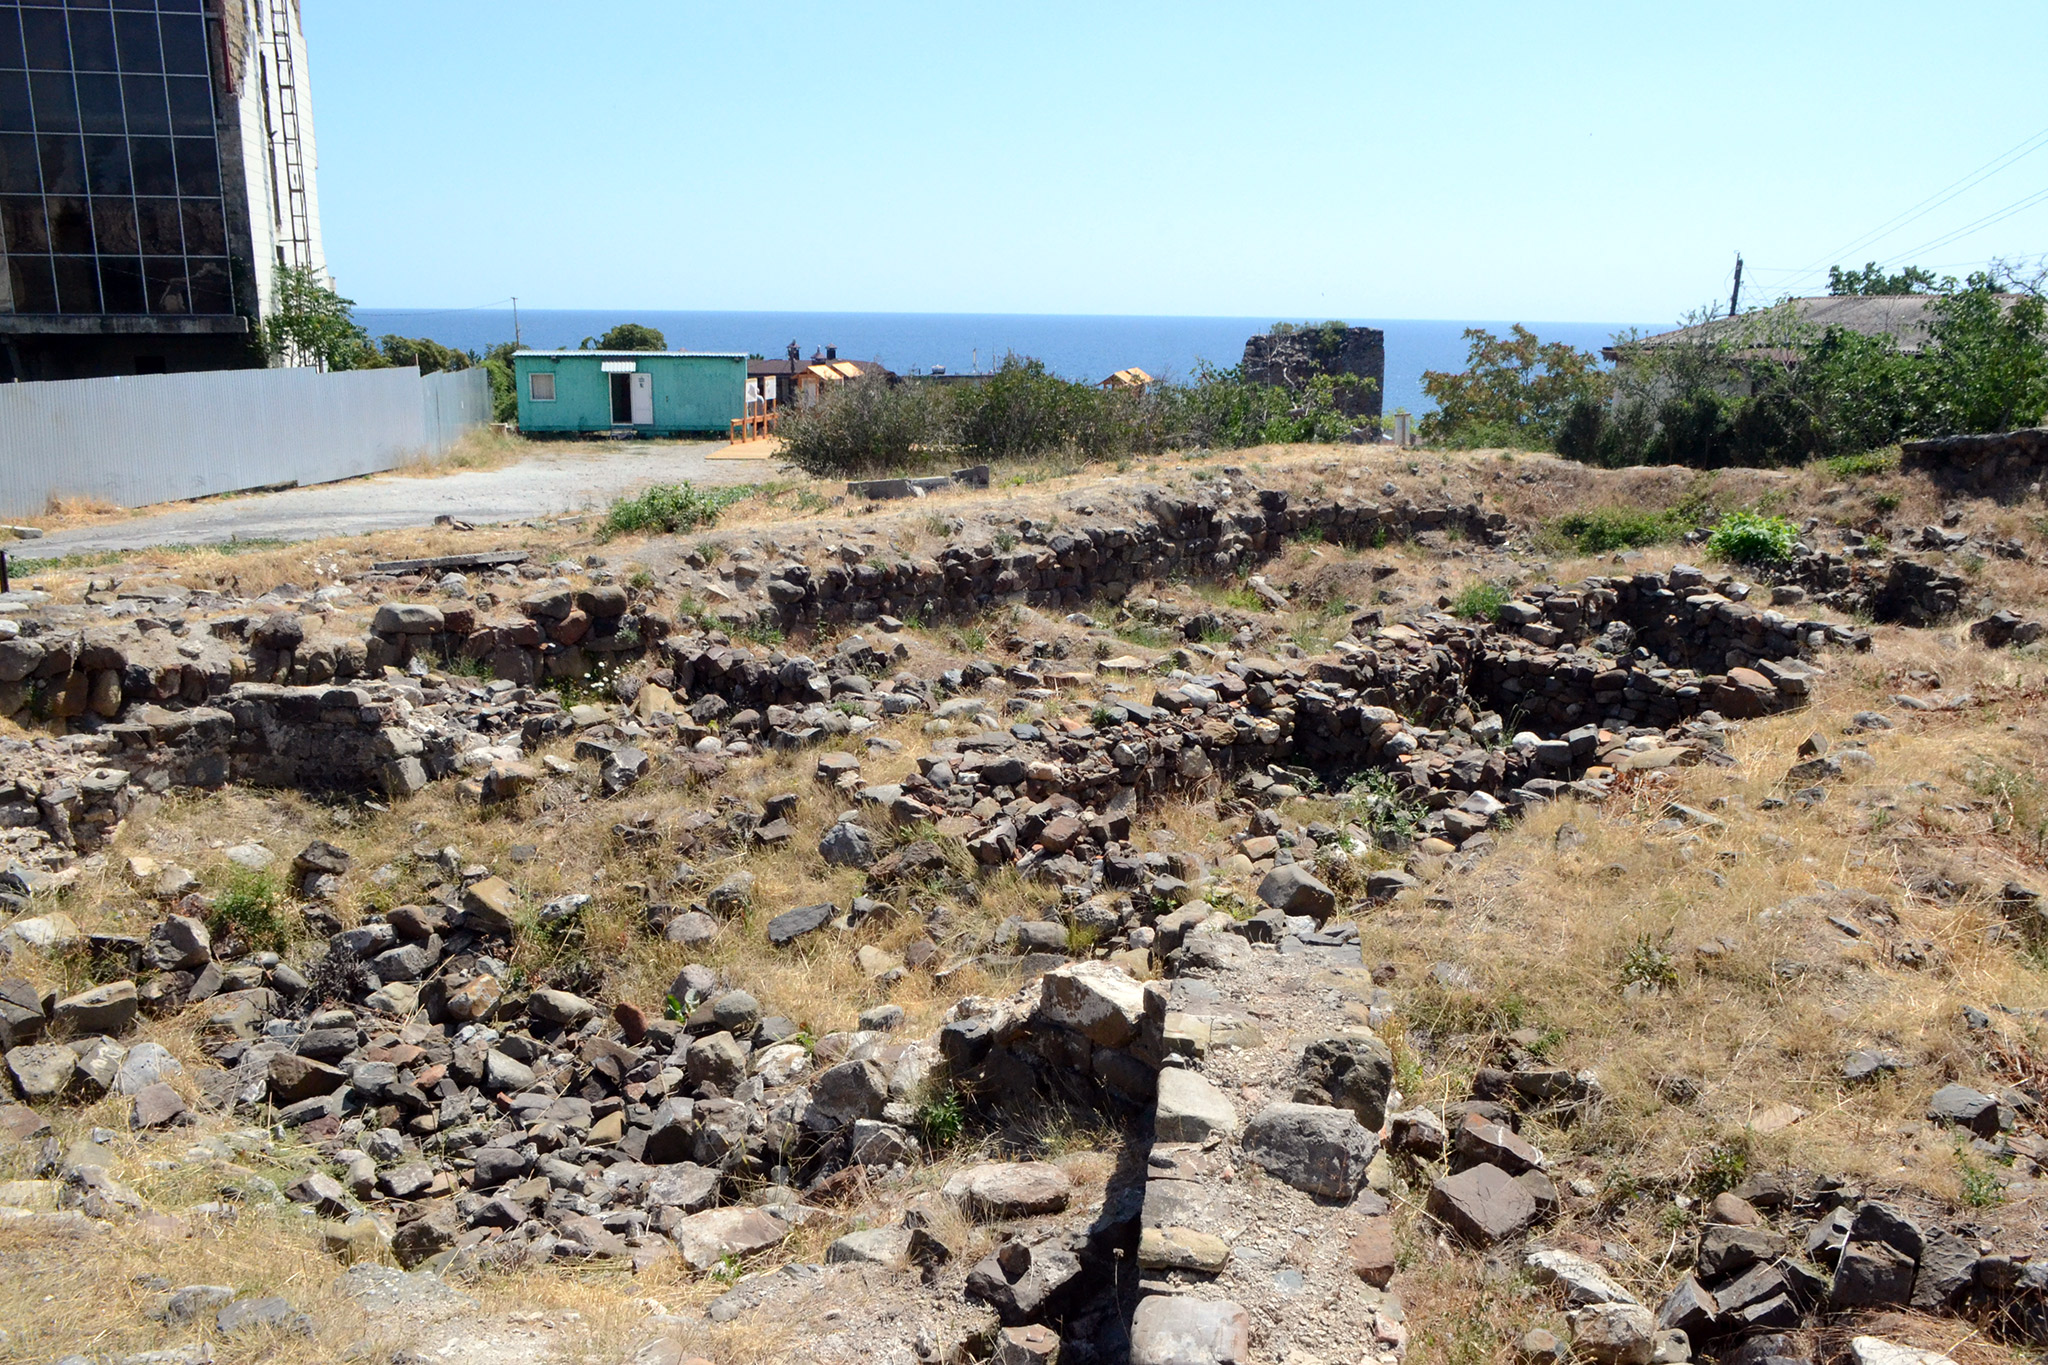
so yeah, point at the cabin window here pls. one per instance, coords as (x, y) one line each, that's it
(540, 387)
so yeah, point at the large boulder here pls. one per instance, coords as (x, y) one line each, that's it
(103, 1009)
(1484, 1205)
(1352, 1071)
(561, 1007)
(1614, 1334)
(41, 1071)
(718, 1058)
(1189, 1108)
(707, 1238)
(1317, 1149)
(1104, 1004)
(21, 1012)
(178, 943)
(1023, 1282)
(1177, 1329)
(847, 844)
(1293, 888)
(1961, 1106)
(849, 1091)
(1011, 1189)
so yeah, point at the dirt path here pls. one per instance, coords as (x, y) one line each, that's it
(564, 478)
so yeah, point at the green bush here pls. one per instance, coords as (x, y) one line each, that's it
(627, 336)
(1767, 389)
(1864, 465)
(1376, 802)
(1751, 538)
(1515, 390)
(674, 507)
(1024, 411)
(869, 426)
(247, 908)
(1605, 529)
(1480, 601)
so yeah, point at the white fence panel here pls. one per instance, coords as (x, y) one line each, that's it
(453, 402)
(142, 439)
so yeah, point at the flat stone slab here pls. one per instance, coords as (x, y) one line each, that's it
(888, 1247)
(1315, 1148)
(1484, 1205)
(709, 1237)
(1190, 1108)
(1011, 1189)
(1176, 1248)
(1174, 1329)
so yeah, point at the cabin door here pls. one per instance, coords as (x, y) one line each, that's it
(643, 398)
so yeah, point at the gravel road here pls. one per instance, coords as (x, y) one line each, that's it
(565, 478)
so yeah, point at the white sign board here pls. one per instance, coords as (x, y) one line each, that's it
(617, 366)
(753, 390)
(768, 388)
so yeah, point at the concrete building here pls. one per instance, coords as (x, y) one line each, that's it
(635, 393)
(156, 168)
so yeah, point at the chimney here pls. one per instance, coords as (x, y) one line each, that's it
(831, 353)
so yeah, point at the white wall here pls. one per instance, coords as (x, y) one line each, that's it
(139, 439)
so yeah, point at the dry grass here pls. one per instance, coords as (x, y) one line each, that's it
(486, 447)
(1549, 930)
(1549, 933)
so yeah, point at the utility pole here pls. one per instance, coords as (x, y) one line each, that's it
(1735, 295)
(515, 322)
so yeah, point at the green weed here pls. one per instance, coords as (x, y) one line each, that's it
(673, 507)
(1752, 538)
(1647, 964)
(1980, 1187)
(1868, 463)
(940, 1118)
(247, 908)
(1480, 601)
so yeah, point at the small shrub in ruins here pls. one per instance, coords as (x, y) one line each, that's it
(246, 909)
(1646, 965)
(940, 1117)
(674, 507)
(1375, 802)
(1480, 601)
(1752, 538)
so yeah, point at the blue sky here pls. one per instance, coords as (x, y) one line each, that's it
(1559, 161)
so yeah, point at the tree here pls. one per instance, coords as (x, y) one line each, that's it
(1986, 365)
(497, 363)
(1515, 390)
(310, 324)
(1872, 280)
(627, 336)
(430, 356)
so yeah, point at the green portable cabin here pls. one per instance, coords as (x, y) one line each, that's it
(647, 393)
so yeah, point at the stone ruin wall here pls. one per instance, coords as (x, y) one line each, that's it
(188, 722)
(1994, 463)
(1289, 362)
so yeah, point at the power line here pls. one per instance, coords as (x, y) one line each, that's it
(1995, 216)
(2026, 147)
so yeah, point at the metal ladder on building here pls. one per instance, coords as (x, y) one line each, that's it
(298, 219)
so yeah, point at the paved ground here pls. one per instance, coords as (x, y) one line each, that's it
(564, 478)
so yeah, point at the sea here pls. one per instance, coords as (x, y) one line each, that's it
(1075, 346)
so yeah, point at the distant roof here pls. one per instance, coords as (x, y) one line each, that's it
(1132, 378)
(616, 355)
(1905, 318)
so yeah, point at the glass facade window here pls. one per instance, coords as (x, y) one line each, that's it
(110, 182)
